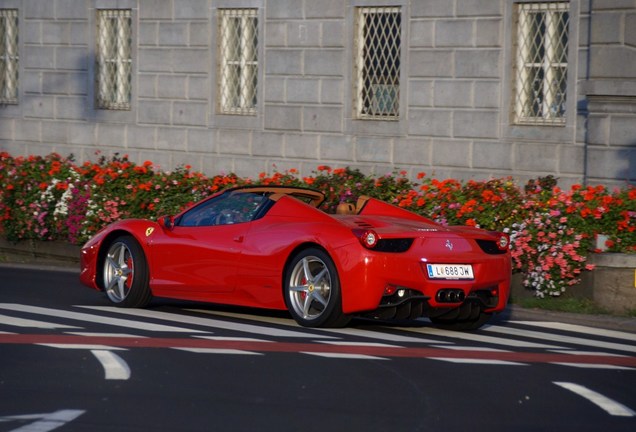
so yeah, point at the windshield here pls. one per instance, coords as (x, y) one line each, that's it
(225, 209)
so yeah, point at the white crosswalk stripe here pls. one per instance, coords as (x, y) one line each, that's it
(81, 346)
(360, 344)
(345, 356)
(560, 338)
(592, 365)
(550, 337)
(474, 337)
(23, 322)
(91, 318)
(218, 351)
(110, 335)
(469, 348)
(203, 322)
(232, 339)
(589, 331)
(389, 337)
(371, 334)
(587, 353)
(479, 361)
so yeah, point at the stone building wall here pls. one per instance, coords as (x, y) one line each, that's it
(455, 91)
(610, 91)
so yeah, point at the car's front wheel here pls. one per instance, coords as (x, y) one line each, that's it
(312, 290)
(125, 273)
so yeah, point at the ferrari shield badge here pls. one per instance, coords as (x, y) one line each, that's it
(149, 231)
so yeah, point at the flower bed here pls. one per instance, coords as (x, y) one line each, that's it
(552, 230)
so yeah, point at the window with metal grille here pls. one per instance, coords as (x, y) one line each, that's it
(9, 56)
(238, 61)
(541, 63)
(377, 64)
(113, 63)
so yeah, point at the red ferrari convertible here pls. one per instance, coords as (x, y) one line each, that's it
(272, 247)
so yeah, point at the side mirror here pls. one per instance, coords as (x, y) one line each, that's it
(166, 222)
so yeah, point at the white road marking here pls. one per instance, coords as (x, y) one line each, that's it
(204, 322)
(81, 346)
(344, 356)
(610, 406)
(232, 339)
(478, 361)
(96, 319)
(288, 322)
(383, 336)
(45, 422)
(592, 366)
(267, 331)
(390, 337)
(473, 337)
(105, 351)
(218, 351)
(592, 353)
(579, 329)
(115, 368)
(560, 338)
(22, 322)
(469, 348)
(360, 344)
(113, 335)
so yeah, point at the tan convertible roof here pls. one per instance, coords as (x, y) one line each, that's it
(311, 196)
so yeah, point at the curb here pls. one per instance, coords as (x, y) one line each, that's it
(54, 253)
(610, 322)
(43, 266)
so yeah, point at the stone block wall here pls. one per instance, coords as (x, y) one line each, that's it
(455, 91)
(610, 89)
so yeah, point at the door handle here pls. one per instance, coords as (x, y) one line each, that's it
(239, 239)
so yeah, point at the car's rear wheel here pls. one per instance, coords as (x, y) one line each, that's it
(312, 290)
(125, 273)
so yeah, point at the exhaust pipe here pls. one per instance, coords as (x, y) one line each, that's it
(450, 296)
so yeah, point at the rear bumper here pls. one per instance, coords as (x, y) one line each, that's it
(364, 284)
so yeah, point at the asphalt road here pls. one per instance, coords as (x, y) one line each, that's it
(70, 362)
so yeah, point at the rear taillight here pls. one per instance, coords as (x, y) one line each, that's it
(504, 242)
(368, 238)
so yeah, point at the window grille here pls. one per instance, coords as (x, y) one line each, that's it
(377, 63)
(114, 64)
(541, 64)
(9, 56)
(238, 61)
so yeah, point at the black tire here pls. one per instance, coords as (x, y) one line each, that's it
(312, 290)
(125, 273)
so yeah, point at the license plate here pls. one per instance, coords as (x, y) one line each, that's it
(450, 271)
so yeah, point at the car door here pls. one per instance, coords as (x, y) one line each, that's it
(197, 259)
(201, 252)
